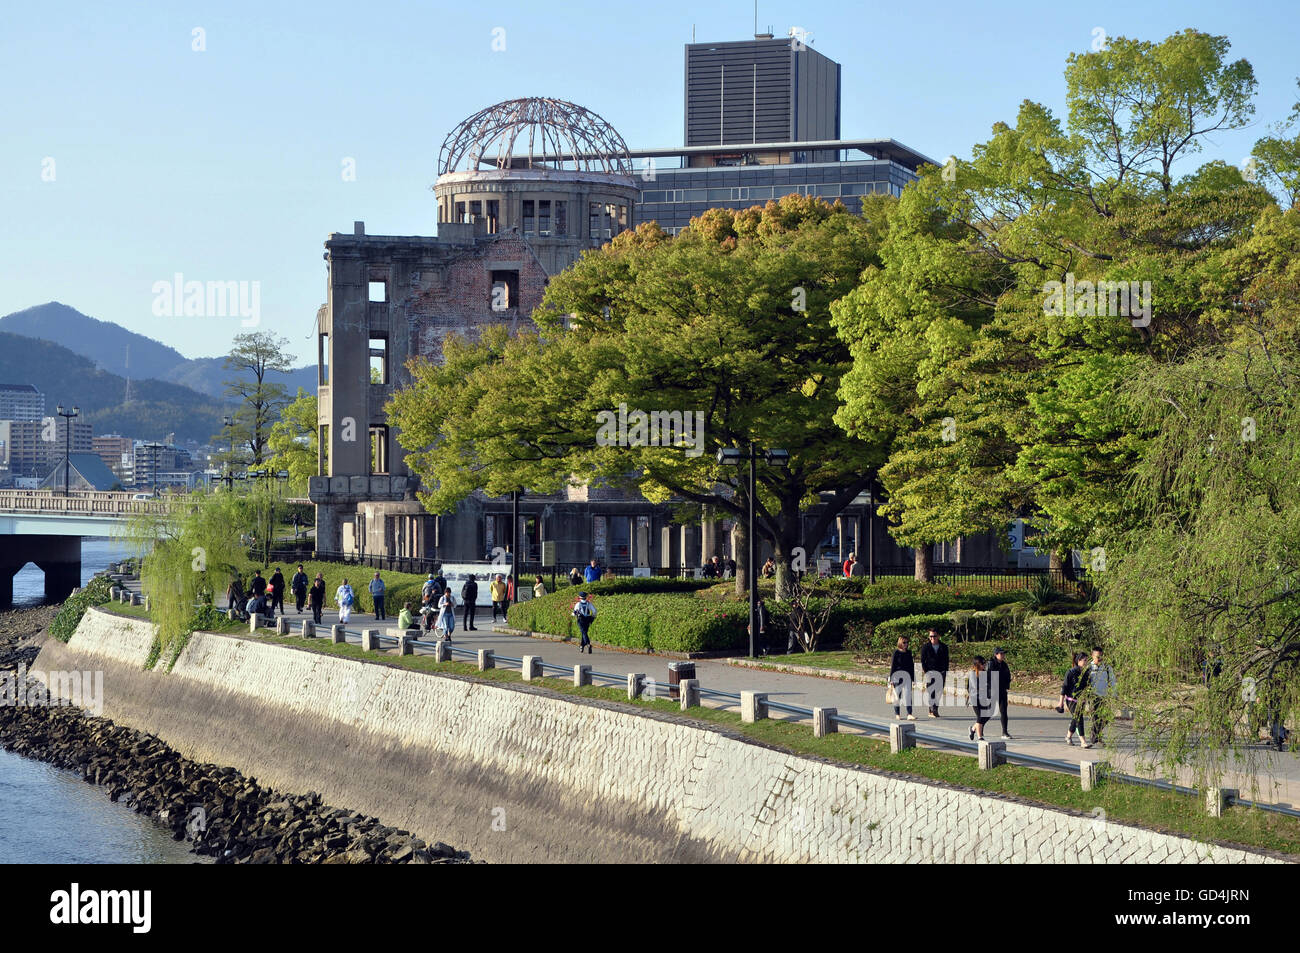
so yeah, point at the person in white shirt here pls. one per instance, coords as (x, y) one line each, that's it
(1101, 685)
(446, 614)
(344, 597)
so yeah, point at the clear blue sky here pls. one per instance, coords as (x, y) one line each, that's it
(225, 164)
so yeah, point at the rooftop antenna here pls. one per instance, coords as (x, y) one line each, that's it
(755, 17)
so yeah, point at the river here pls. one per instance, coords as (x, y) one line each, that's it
(51, 816)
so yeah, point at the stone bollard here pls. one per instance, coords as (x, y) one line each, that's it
(1091, 773)
(114, 594)
(136, 600)
(992, 754)
(753, 707)
(1216, 799)
(581, 675)
(148, 604)
(232, 615)
(281, 626)
(689, 690)
(254, 621)
(486, 660)
(370, 640)
(404, 646)
(824, 721)
(308, 630)
(902, 737)
(338, 635)
(532, 667)
(635, 685)
(441, 651)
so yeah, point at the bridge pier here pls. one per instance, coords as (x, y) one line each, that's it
(59, 557)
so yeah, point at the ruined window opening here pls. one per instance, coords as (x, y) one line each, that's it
(530, 221)
(378, 449)
(460, 212)
(378, 291)
(475, 211)
(378, 360)
(594, 227)
(493, 215)
(620, 537)
(561, 218)
(544, 217)
(622, 219)
(323, 358)
(505, 290)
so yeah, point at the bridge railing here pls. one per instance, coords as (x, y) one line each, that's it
(108, 504)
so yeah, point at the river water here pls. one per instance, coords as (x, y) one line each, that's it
(51, 816)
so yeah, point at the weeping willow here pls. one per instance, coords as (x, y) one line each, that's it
(191, 551)
(1202, 595)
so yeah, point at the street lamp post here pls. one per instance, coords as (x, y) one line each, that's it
(229, 423)
(67, 442)
(732, 456)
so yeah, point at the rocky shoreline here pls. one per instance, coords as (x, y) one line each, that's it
(221, 813)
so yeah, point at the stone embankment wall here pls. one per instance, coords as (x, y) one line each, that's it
(512, 773)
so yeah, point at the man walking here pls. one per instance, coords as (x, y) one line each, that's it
(317, 598)
(1000, 676)
(377, 589)
(592, 572)
(934, 668)
(497, 590)
(1101, 683)
(299, 586)
(468, 599)
(277, 591)
(585, 613)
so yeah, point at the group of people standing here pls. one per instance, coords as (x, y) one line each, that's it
(986, 682)
(264, 596)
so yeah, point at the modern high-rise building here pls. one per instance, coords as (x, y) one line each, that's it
(21, 402)
(31, 447)
(762, 122)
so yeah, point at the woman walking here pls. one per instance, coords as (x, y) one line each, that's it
(345, 597)
(446, 615)
(980, 698)
(1076, 680)
(902, 669)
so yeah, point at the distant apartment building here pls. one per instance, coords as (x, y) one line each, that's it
(30, 448)
(159, 464)
(118, 454)
(21, 402)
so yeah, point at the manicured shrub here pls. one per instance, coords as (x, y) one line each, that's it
(915, 627)
(652, 622)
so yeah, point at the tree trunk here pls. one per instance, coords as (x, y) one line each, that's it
(924, 569)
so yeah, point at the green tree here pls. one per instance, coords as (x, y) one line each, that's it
(1278, 157)
(293, 442)
(729, 320)
(253, 357)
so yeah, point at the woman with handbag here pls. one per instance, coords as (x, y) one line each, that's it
(446, 615)
(902, 669)
(1076, 682)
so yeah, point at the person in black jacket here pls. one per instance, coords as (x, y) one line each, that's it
(763, 618)
(1076, 680)
(276, 588)
(298, 586)
(980, 695)
(468, 600)
(316, 596)
(1000, 679)
(902, 669)
(934, 663)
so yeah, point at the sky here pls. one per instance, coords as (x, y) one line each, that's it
(128, 154)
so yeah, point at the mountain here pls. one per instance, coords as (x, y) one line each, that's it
(157, 408)
(109, 345)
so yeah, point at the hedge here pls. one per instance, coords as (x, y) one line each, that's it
(915, 627)
(653, 622)
(94, 593)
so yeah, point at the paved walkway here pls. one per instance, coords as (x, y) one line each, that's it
(1035, 731)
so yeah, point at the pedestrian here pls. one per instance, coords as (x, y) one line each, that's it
(377, 590)
(902, 668)
(468, 599)
(258, 585)
(575, 576)
(934, 668)
(254, 607)
(440, 584)
(1101, 685)
(1000, 679)
(539, 588)
(510, 589)
(446, 615)
(428, 590)
(592, 572)
(428, 611)
(1072, 689)
(585, 613)
(497, 590)
(769, 568)
(848, 565)
(298, 584)
(345, 597)
(980, 701)
(795, 627)
(762, 617)
(405, 620)
(729, 568)
(276, 587)
(235, 598)
(316, 596)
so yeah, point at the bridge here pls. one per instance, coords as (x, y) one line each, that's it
(45, 528)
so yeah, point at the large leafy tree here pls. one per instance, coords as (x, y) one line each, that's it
(293, 441)
(730, 320)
